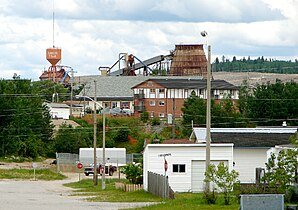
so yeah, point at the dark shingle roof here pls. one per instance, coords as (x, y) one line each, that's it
(251, 139)
(194, 84)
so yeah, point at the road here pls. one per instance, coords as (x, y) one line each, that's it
(49, 195)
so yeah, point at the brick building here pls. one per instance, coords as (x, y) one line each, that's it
(160, 96)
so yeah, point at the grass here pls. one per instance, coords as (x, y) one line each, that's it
(183, 201)
(40, 174)
(86, 188)
(187, 201)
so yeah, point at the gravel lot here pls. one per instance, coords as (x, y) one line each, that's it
(49, 195)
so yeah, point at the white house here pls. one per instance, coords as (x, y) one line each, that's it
(186, 164)
(59, 110)
(250, 145)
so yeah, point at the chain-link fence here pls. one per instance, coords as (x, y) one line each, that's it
(66, 162)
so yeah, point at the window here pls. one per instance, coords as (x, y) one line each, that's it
(152, 103)
(125, 105)
(161, 103)
(114, 104)
(161, 115)
(161, 90)
(152, 90)
(179, 168)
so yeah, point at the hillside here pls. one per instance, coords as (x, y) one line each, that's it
(253, 78)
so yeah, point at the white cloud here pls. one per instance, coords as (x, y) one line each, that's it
(93, 33)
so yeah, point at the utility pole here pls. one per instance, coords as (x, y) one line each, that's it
(208, 117)
(208, 111)
(71, 92)
(94, 137)
(103, 183)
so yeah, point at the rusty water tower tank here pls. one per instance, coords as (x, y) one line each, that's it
(53, 55)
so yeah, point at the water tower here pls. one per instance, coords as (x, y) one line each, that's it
(53, 55)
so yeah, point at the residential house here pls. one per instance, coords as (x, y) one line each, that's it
(164, 97)
(250, 145)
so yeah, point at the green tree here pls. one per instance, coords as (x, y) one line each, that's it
(273, 102)
(69, 139)
(121, 135)
(47, 88)
(194, 109)
(224, 179)
(25, 123)
(280, 170)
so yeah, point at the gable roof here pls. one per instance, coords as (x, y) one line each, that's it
(191, 83)
(247, 137)
(115, 87)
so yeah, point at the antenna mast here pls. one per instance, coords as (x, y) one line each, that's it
(53, 23)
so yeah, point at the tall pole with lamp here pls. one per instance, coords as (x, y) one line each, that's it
(208, 111)
(103, 143)
(95, 178)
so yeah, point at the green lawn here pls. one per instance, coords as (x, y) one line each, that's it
(182, 201)
(86, 187)
(40, 174)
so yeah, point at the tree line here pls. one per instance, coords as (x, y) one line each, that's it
(259, 64)
(26, 129)
(265, 105)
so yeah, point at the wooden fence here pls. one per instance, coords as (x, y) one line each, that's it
(128, 187)
(159, 185)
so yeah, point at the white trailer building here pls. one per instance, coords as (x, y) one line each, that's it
(186, 164)
(114, 156)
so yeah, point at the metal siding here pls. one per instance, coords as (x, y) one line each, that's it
(246, 162)
(180, 182)
(198, 174)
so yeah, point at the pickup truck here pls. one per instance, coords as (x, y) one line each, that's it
(109, 170)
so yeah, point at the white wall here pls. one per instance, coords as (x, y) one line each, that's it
(115, 155)
(182, 154)
(246, 162)
(60, 113)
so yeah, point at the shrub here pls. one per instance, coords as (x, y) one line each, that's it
(210, 197)
(155, 121)
(223, 179)
(145, 116)
(134, 173)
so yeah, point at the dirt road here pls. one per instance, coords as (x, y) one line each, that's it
(49, 195)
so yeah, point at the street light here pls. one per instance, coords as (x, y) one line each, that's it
(208, 111)
(103, 141)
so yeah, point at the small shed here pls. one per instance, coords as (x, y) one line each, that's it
(186, 163)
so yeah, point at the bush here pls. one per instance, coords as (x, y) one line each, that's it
(223, 179)
(134, 173)
(210, 197)
(155, 121)
(145, 116)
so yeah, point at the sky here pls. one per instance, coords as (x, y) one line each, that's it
(92, 33)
